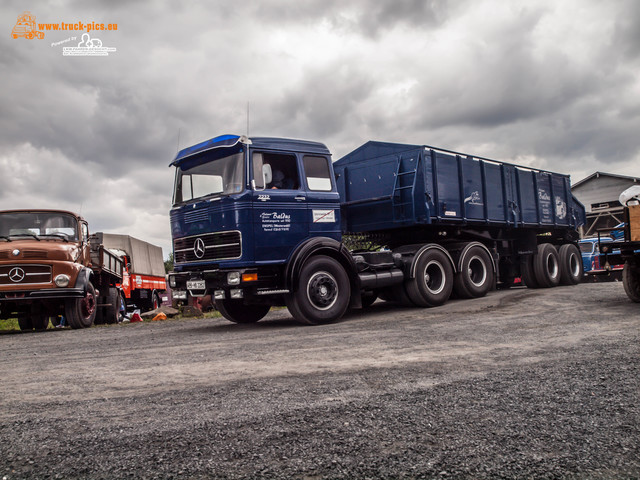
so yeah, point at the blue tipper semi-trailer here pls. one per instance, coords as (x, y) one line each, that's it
(261, 222)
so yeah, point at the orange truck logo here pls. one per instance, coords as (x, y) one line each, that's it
(26, 27)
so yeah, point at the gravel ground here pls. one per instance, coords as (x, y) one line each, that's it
(520, 384)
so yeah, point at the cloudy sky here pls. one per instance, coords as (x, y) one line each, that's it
(549, 84)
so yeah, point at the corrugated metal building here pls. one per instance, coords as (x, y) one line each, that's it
(599, 194)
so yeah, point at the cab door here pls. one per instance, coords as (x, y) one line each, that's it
(323, 200)
(279, 204)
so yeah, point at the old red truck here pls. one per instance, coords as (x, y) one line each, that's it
(143, 279)
(51, 267)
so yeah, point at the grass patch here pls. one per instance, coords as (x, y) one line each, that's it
(9, 324)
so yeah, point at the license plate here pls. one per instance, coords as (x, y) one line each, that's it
(196, 285)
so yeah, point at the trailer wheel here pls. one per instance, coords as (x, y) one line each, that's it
(570, 264)
(546, 266)
(112, 310)
(631, 281)
(81, 312)
(323, 294)
(475, 277)
(433, 282)
(238, 312)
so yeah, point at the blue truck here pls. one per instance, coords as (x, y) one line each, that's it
(260, 222)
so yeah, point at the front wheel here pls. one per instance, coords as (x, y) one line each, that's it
(323, 294)
(238, 312)
(631, 281)
(81, 312)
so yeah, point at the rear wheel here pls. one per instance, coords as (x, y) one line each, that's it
(570, 264)
(24, 322)
(123, 307)
(546, 266)
(112, 310)
(433, 281)
(323, 294)
(631, 281)
(80, 312)
(475, 277)
(238, 312)
(40, 322)
(526, 272)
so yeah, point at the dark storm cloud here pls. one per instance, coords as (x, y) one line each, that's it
(551, 84)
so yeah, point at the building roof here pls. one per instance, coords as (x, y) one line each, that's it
(604, 174)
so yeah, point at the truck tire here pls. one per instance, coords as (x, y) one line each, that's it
(112, 310)
(570, 264)
(631, 281)
(40, 322)
(238, 312)
(123, 307)
(433, 281)
(526, 272)
(546, 266)
(323, 294)
(24, 322)
(80, 312)
(475, 277)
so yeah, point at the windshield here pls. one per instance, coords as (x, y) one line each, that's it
(38, 224)
(223, 176)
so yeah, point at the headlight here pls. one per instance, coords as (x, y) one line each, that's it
(62, 280)
(233, 278)
(172, 281)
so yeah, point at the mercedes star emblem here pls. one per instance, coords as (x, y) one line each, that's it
(198, 247)
(16, 274)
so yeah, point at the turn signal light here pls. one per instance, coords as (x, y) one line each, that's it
(249, 277)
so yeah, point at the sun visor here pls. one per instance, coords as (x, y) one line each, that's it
(197, 154)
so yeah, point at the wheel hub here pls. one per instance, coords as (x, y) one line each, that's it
(322, 290)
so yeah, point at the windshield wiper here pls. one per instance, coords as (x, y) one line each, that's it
(26, 235)
(5, 237)
(59, 235)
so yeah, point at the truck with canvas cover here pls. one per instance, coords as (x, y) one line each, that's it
(258, 222)
(143, 280)
(49, 267)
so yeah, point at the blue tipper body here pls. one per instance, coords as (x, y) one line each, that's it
(385, 186)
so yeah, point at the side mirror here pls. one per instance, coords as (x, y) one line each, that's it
(267, 174)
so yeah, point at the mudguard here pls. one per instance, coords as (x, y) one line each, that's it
(315, 246)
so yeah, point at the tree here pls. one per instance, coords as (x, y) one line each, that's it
(168, 263)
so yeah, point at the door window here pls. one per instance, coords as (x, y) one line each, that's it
(275, 171)
(318, 173)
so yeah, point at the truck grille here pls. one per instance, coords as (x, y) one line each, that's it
(204, 248)
(25, 274)
(196, 216)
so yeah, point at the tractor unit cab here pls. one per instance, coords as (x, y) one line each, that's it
(242, 207)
